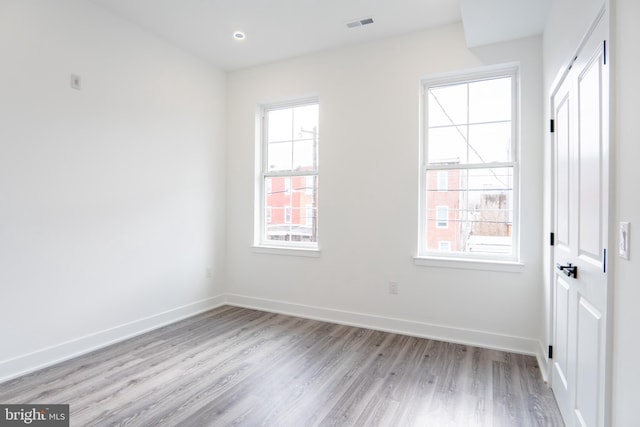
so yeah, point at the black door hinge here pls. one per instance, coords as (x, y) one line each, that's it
(550, 352)
(552, 239)
(552, 126)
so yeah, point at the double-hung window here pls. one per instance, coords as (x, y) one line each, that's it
(469, 174)
(288, 187)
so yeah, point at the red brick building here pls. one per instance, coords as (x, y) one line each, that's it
(291, 208)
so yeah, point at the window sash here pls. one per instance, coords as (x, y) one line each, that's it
(511, 162)
(311, 171)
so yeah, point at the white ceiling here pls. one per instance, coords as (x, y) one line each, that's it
(278, 29)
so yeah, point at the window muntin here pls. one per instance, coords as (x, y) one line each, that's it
(470, 144)
(289, 174)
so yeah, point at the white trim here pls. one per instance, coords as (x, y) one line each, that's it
(470, 264)
(286, 250)
(543, 362)
(387, 324)
(48, 356)
(471, 74)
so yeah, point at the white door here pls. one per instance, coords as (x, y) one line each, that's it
(581, 156)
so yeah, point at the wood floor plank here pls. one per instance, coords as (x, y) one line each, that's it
(239, 367)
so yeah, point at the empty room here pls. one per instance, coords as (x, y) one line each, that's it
(314, 213)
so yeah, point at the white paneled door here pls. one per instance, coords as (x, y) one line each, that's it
(581, 157)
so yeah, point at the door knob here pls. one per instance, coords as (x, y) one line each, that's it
(569, 269)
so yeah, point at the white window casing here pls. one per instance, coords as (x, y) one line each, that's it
(470, 167)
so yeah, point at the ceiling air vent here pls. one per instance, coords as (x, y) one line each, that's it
(360, 22)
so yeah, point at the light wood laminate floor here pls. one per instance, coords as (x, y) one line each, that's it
(240, 367)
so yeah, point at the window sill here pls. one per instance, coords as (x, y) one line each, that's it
(288, 251)
(469, 264)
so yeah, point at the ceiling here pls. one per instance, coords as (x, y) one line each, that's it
(278, 29)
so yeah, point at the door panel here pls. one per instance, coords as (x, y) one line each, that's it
(590, 242)
(560, 356)
(562, 172)
(588, 360)
(581, 182)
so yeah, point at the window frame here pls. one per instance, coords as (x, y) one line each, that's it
(282, 247)
(424, 255)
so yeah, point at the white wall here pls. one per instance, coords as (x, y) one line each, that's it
(369, 195)
(112, 198)
(626, 285)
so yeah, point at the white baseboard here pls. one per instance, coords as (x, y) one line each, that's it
(407, 327)
(30, 362)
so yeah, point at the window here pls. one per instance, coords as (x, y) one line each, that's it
(442, 216)
(443, 180)
(444, 246)
(287, 215)
(289, 176)
(469, 186)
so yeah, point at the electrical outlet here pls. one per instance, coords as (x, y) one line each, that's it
(393, 288)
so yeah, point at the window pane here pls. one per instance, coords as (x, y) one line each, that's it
(447, 105)
(305, 156)
(490, 142)
(479, 211)
(292, 140)
(448, 145)
(490, 100)
(280, 125)
(293, 209)
(279, 156)
(305, 122)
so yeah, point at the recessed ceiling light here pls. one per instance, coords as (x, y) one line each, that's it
(239, 35)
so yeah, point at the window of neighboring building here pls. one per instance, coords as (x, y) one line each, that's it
(444, 246)
(443, 180)
(287, 215)
(289, 176)
(442, 216)
(469, 186)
